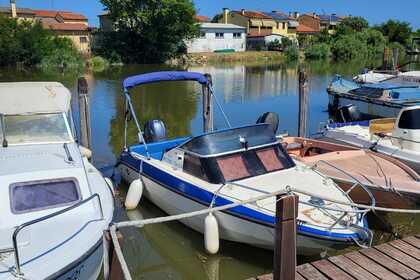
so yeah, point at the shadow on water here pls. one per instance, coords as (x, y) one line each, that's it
(173, 251)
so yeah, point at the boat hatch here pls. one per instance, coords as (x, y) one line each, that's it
(44, 194)
(235, 154)
(38, 128)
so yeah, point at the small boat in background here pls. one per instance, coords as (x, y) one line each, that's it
(384, 100)
(233, 165)
(54, 204)
(372, 77)
(360, 172)
(399, 138)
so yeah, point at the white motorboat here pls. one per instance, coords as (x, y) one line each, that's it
(399, 138)
(54, 204)
(226, 166)
(372, 77)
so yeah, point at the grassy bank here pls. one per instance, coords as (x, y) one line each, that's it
(248, 56)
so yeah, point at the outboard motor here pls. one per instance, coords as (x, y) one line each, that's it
(348, 113)
(154, 131)
(270, 118)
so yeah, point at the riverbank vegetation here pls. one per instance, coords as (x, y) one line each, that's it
(214, 58)
(355, 39)
(28, 44)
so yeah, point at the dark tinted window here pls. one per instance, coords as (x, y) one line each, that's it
(410, 120)
(32, 196)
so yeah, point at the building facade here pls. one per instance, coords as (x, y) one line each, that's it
(218, 37)
(330, 22)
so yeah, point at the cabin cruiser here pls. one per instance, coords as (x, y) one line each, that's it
(54, 204)
(390, 182)
(399, 138)
(371, 77)
(233, 165)
(381, 100)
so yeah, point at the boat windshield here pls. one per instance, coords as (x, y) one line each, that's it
(40, 128)
(231, 140)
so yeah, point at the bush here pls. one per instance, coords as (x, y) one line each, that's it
(275, 45)
(292, 53)
(98, 63)
(318, 51)
(349, 47)
(374, 40)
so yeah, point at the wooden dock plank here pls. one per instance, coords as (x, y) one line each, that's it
(390, 263)
(372, 266)
(399, 256)
(310, 272)
(413, 241)
(330, 270)
(406, 247)
(352, 268)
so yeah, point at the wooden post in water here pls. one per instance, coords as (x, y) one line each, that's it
(207, 106)
(385, 63)
(84, 109)
(395, 57)
(303, 102)
(285, 237)
(112, 269)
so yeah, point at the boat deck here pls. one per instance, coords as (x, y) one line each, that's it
(398, 259)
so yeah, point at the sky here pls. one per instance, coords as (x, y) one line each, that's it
(375, 11)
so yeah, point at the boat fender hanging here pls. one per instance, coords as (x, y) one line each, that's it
(134, 194)
(211, 234)
(85, 152)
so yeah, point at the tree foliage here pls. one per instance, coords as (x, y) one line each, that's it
(29, 44)
(351, 25)
(396, 31)
(149, 30)
(217, 18)
(318, 51)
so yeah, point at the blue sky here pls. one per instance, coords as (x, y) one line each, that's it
(375, 11)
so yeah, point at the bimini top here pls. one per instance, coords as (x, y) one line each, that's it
(229, 140)
(33, 98)
(162, 76)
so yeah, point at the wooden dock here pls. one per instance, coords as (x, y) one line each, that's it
(395, 260)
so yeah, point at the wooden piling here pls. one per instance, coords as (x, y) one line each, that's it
(285, 237)
(395, 57)
(385, 62)
(303, 102)
(207, 106)
(84, 109)
(112, 267)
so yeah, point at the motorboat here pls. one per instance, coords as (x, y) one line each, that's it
(55, 204)
(231, 165)
(379, 100)
(371, 77)
(399, 138)
(361, 173)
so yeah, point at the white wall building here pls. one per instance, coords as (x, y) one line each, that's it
(218, 36)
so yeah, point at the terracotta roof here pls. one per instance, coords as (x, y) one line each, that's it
(63, 14)
(311, 15)
(65, 26)
(253, 14)
(306, 29)
(202, 18)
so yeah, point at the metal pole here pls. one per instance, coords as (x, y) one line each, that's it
(395, 56)
(84, 109)
(207, 106)
(285, 237)
(303, 102)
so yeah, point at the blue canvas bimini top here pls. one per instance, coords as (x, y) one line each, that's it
(162, 76)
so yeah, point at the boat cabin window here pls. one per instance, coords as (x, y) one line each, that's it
(40, 128)
(40, 195)
(410, 119)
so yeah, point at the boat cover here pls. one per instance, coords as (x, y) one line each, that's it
(33, 98)
(162, 76)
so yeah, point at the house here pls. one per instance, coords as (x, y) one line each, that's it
(256, 23)
(261, 42)
(62, 23)
(286, 24)
(309, 24)
(330, 22)
(218, 36)
(199, 18)
(105, 22)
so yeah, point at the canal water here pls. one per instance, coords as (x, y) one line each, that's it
(171, 250)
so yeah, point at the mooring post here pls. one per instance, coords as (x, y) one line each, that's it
(84, 109)
(112, 269)
(285, 237)
(385, 62)
(395, 57)
(303, 102)
(207, 106)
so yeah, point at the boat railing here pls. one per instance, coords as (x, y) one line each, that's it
(18, 229)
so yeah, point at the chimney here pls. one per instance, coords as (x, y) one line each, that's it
(225, 15)
(13, 8)
(243, 12)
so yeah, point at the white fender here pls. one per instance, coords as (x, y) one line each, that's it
(134, 194)
(211, 234)
(85, 152)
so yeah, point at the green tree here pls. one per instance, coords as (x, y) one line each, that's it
(374, 40)
(217, 18)
(149, 30)
(349, 47)
(396, 31)
(351, 25)
(318, 51)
